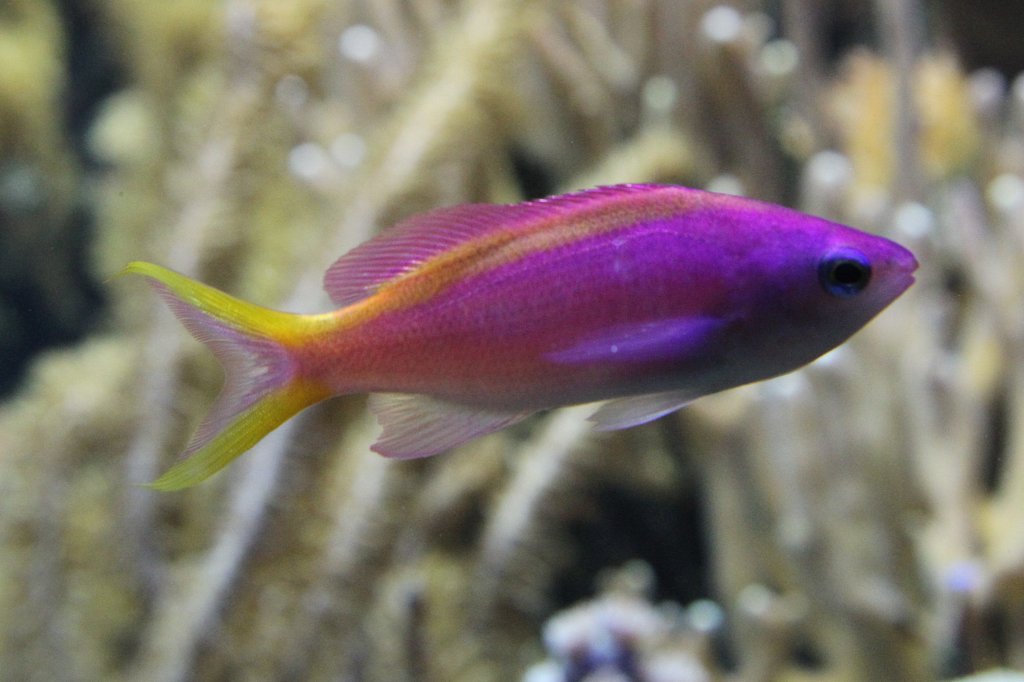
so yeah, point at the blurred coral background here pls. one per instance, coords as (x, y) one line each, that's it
(862, 519)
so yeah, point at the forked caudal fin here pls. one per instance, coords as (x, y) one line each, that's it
(261, 390)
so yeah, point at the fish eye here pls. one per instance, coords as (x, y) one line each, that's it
(844, 274)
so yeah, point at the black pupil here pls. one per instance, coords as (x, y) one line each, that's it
(847, 273)
(844, 275)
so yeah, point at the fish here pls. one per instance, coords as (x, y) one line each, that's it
(467, 319)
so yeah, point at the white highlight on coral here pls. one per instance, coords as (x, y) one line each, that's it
(548, 671)
(964, 577)
(786, 387)
(123, 129)
(727, 184)
(756, 600)
(829, 171)
(779, 58)
(722, 24)
(836, 358)
(348, 150)
(601, 624)
(660, 94)
(914, 220)
(1006, 192)
(672, 666)
(705, 616)
(308, 161)
(359, 42)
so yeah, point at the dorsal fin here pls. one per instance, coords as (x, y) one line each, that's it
(361, 271)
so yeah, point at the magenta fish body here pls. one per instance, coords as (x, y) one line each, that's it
(633, 290)
(467, 319)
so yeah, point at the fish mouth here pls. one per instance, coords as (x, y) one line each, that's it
(905, 264)
(911, 266)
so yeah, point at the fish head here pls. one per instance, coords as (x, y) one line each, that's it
(802, 285)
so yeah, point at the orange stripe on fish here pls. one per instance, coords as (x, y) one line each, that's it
(541, 225)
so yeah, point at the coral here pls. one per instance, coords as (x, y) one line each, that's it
(859, 519)
(863, 108)
(40, 212)
(621, 636)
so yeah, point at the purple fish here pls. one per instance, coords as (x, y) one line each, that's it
(466, 319)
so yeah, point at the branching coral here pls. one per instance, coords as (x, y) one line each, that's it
(858, 520)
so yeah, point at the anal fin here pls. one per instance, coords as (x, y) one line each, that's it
(420, 426)
(623, 413)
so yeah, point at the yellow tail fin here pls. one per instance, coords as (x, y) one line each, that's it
(261, 388)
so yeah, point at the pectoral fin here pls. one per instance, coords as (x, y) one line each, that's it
(420, 426)
(643, 341)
